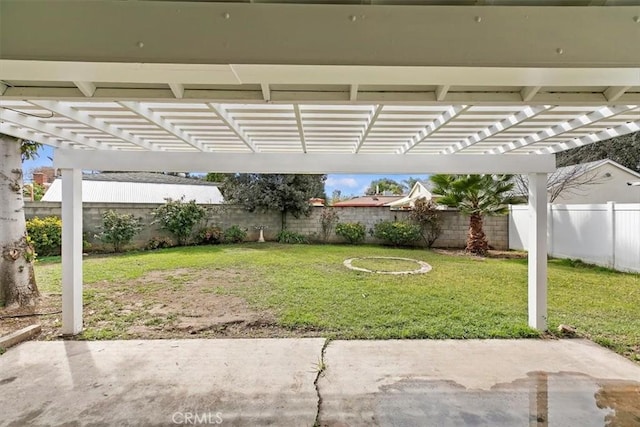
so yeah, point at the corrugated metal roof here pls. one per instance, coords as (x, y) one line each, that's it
(147, 177)
(137, 192)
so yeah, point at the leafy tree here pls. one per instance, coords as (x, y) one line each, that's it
(17, 280)
(33, 192)
(288, 194)
(381, 185)
(623, 149)
(216, 177)
(476, 196)
(179, 218)
(410, 182)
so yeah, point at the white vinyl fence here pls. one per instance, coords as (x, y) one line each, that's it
(606, 235)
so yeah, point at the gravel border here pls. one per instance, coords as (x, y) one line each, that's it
(424, 267)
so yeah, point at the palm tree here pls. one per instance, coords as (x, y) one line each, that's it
(476, 196)
(17, 281)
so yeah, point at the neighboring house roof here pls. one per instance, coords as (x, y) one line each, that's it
(139, 188)
(146, 177)
(420, 190)
(583, 168)
(368, 201)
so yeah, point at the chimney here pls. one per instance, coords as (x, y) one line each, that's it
(39, 178)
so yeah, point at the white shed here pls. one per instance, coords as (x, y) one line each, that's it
(139, 187)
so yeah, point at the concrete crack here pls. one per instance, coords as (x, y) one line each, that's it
(322, 366)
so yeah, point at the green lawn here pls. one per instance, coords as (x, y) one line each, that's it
(307, 287)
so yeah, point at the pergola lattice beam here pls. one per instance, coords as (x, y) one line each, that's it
(593, 137)
(353, 92)
(302, 162)
(23, 133)
(613, 93)
(496, 128)
(84, 118)
(232, 125)
(529, 92)
(441, 92)
(46, 128)
(303, 141)
(87, 88)
(432, 127)
(157, 120)
(566, 126)
(371, 120)
(266, 91)
(177, 89)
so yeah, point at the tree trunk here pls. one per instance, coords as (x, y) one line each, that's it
(476, 239)
(17, 281)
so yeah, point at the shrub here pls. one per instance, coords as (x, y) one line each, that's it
(209, 236)
(179, 218)
(328, 218)
(118, 229)
(234, 234)
(286, 236)
(426, 215)
(352, 232)
(159, 243)
(45, 235)
(397, 233)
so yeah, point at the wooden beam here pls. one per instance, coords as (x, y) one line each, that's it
(529, 92)
(87, 88)
(110, 31)
(432, 127)
(177, 89)
(296, 109)
(302, 162)
(613, 93)
(441, 92)
(370, 123)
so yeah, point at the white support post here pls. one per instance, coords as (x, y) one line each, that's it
(611, 211)
(71, 251)
(538, 251)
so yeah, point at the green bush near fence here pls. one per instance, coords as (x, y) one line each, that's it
(45, 234)
(397, 233)
(352, 232)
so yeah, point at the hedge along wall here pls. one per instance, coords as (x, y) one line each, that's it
(454, 227)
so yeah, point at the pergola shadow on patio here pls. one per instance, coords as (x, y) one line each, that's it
(301, 88)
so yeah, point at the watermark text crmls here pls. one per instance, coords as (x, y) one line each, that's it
(197, 418)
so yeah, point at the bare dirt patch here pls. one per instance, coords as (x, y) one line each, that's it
(163, 304)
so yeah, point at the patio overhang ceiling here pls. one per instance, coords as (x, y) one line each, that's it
(333, 88)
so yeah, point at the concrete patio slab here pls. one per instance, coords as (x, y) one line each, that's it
(479, 383)
(253, 382)
(160, 383)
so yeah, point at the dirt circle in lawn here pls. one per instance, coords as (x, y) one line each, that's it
(387, 265)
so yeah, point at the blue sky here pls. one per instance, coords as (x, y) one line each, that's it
(348, 184)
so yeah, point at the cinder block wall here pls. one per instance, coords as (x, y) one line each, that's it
(454, 228)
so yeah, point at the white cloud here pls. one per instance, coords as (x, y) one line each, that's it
(342, 182)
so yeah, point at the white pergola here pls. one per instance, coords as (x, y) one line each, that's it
(384, 87)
